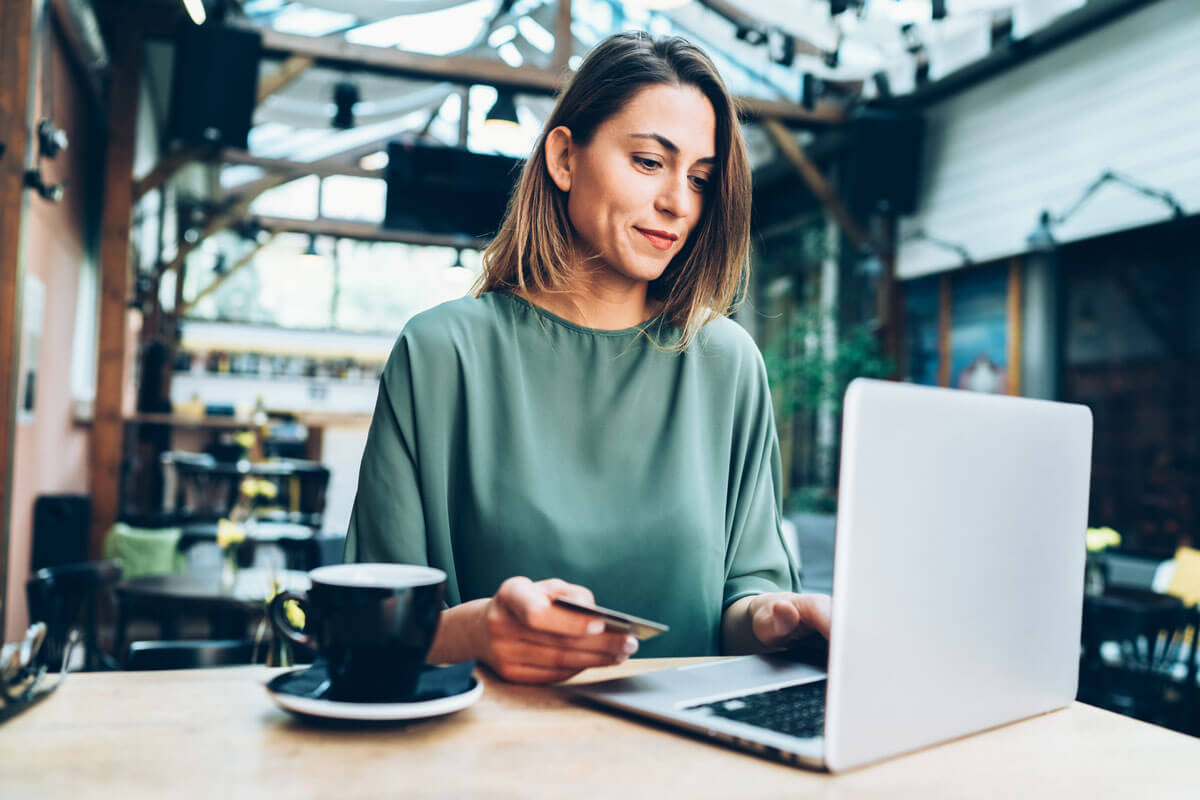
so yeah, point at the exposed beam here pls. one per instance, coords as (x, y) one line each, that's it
(167, 166)
(227, 218)
(343, 55)
(292, 67)
(339, 54)
(740, 18)
(811, 175)
(366, 231)
(324, 167)
(107, 424)
(184, 308)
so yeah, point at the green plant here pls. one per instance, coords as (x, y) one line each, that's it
(801, 377)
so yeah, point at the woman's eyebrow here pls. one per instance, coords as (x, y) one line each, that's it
(669, 145)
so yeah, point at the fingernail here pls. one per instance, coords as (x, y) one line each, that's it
(631, 645)
(595, 626)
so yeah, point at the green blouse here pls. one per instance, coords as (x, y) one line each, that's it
(509, 441)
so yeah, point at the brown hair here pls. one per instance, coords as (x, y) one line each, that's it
(533, 245)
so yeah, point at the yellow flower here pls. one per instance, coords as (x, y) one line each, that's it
(259, 487)
(229, 533)
(1101, 539)
(245, 439)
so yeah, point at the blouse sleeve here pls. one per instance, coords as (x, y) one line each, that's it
(757, 559)
(388, 519)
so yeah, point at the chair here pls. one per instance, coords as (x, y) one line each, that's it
(144, 551)
(192, 654)
(326, 548)
(60, 596)
(197, 487)
(60, 529)
(1139, 656)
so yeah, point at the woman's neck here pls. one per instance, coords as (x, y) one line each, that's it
(599, 305)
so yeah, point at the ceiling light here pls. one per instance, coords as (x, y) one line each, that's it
(195, 10)
(376, 160)
(345, 95)
(311, 254)
(781, 46)
(750, 35)
(503, 113)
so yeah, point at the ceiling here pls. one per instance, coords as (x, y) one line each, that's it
(872, 43)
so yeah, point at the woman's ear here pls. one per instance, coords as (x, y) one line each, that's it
(559, 151)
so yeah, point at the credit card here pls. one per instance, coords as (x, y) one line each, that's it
(616, 621)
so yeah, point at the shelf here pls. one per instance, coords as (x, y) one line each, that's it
(308, 418)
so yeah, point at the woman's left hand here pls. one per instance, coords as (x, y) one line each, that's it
(779, 618)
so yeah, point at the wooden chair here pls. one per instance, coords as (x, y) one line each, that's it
(65, 596)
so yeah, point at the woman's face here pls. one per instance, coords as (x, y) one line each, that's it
(636, 191)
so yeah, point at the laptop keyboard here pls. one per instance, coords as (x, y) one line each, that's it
(794, 710)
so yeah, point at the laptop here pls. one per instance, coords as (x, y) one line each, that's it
(957, 589)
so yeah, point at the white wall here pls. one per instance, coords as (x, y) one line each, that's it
(1125, 97)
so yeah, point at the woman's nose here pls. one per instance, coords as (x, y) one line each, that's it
(672, 197)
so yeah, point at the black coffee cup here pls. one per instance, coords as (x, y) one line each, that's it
(372, 623)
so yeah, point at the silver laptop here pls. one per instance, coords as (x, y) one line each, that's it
(957, 588)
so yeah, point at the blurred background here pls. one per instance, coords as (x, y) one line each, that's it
(217, 215)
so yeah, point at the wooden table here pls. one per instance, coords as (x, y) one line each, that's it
(216, 733)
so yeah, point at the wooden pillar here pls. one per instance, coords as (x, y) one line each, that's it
(108, 426)
(1014, 326)
(16, 35)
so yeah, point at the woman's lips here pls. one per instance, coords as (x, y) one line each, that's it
(658, 240)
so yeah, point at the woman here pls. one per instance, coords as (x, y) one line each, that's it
(589, 421)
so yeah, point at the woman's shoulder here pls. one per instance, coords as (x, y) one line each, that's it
(457, 317)
(443, 333)
(726, 339)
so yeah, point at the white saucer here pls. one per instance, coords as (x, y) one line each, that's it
(377, 712)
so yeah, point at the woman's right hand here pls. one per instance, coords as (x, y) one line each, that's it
(525, 638)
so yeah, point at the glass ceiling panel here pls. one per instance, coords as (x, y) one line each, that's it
(436, 33)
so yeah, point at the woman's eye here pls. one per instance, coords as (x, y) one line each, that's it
(700, 182)
(648, 163)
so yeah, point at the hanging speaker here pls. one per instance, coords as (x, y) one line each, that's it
(883, 160)
(214, 87)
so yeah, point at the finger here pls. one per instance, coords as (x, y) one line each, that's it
(775, 620)
(530, 605)
(507, 627)
(541, 656)
(817, 611)
(556, 587)
(611, 644)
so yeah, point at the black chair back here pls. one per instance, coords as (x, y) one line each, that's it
(60, 529)
(191, 654)
(1140, 657)
(326, 548)
(65, 596)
